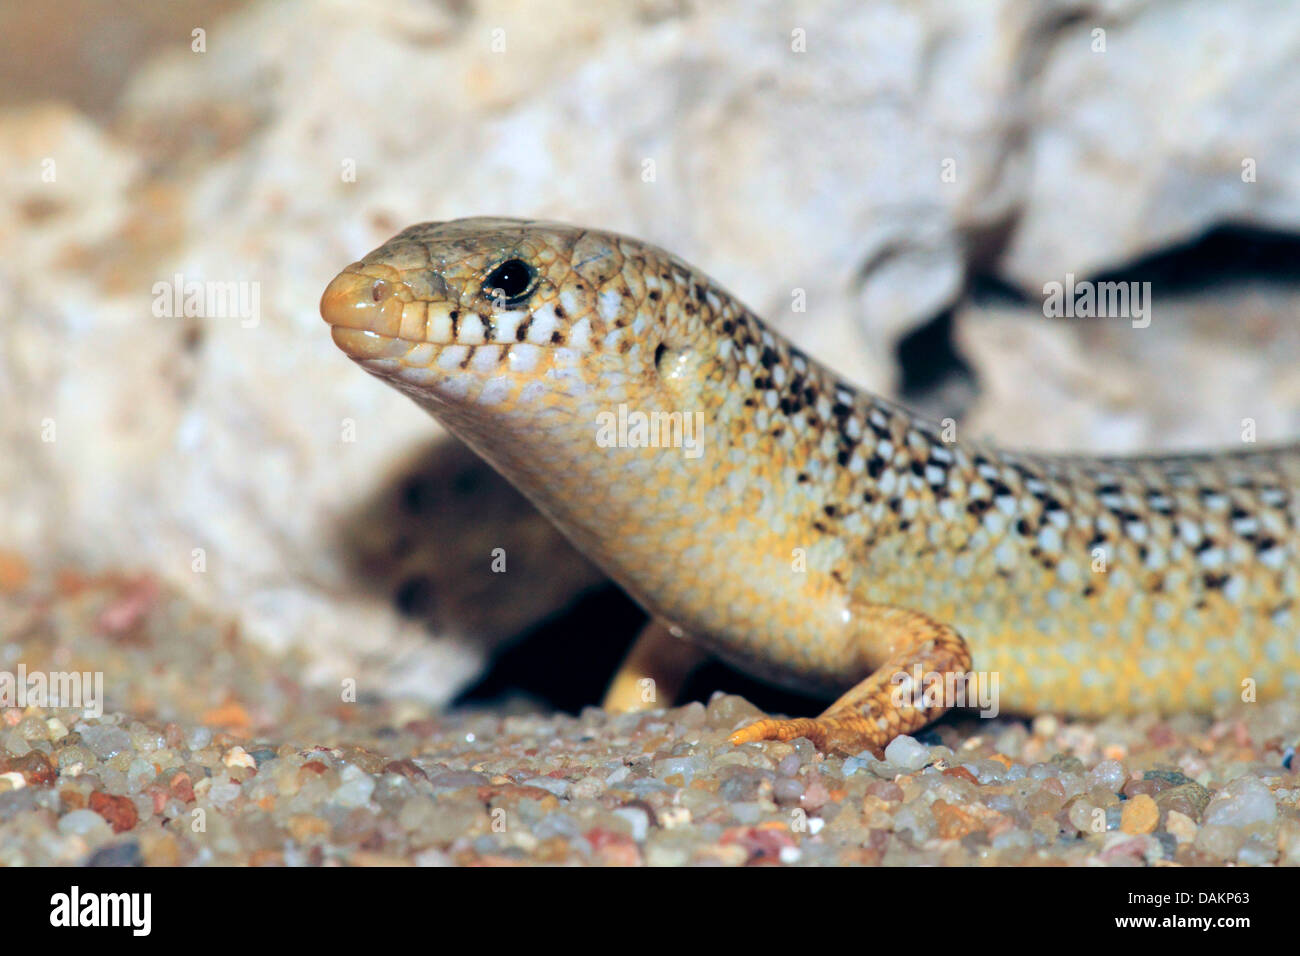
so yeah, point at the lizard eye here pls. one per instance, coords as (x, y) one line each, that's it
(512, 281)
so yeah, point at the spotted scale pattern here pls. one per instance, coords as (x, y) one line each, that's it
(1088, 585)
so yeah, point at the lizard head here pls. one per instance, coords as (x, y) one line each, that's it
(622, 391)
(501, 317)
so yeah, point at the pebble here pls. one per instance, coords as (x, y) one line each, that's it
(556, 786)
(1109, 774)
(1241, 803)
(84, 823)
(1139, 815)
(557, 824)
(815, 795)
(453, 819)
(637, 819)
(239, 757)
(392, 783)
(1220, 842)
(458, 780)
(743, 784)
(1046, 726)
(104, 741)
(262, 755)
(662, 850)
(33, 728)
(1256, 852)
(1182, 827)
(685, 767)
(1168, 845)
(121, 854)
(787, 791)
(224, 793)
(1084, 817)
(854, 764)
(139, 773)
(907, 753)
(355, 787)
(1189, 798)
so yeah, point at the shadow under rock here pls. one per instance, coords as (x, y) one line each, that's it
(431, 541)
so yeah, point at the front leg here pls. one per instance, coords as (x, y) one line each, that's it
(880, 708)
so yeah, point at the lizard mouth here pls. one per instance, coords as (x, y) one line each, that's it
(377, 319)
(438, 348)
(374, 316)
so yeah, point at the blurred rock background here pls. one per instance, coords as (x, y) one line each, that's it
(917, 170)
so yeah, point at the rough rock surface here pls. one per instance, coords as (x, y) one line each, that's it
(874, 157)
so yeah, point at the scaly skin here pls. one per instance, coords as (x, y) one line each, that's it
(825, 537)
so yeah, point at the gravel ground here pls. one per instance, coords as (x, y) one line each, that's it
(211, 751)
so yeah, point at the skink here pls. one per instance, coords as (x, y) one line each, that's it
(816, 535)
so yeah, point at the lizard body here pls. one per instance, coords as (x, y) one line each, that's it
(825, 538)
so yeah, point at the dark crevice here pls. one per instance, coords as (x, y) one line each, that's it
(935, 377)
(1223, 254)
(927, 357)
(567, 661)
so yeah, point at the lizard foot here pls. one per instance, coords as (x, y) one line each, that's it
(882, 706)
(846, 735)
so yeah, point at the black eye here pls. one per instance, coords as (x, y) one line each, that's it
(510, 280)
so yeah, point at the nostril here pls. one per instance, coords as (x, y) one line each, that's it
(363, 303)
(368, 305)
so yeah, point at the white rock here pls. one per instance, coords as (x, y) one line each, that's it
(860, 153)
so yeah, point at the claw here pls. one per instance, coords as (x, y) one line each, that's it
(847, 735)
(772, 729)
